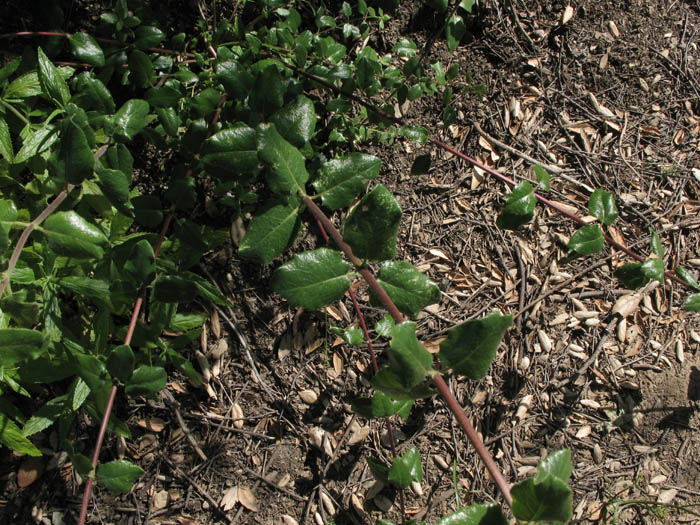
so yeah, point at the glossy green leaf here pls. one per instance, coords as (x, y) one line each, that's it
(141, 69)
(680, 271)
(381, 405)
(391, 382)
(471, 346)
(421, 166)
(586, 240)
(558, 464)
(8, 213)
(230, 152)
(296, 121)
(467, 5)
(270, 232)
(9, 69)
(146, 381)
(118, 157)
(692, 303)
(353, 335)
(130, 119)
(115, 186)
(341, 180)
(6, 150)
(602, 206)
(408, 356)
(71, 235)
(37, 142)
(385, 326)
(170, 120)
(406, 468)
(148, 210)
(148, 36)
(235, 78)
(454, 31)
(543, 177)
(120, 363)
(19, 344)
(24, 86)
(519, 208)
(95, 289)
(174, 289)
(379, 470)
(657, 246)
(407, 287)
(287, 172)
(312, 279)
(654, 269)
(205, 103)
(11, 436)
(185, 322)
(118, 475)
(632, 275)
(141, 264)
(86, 48)
(92, 370)
(405, 47)
(417, 133)
(92, 94)
(478, 514)
(51, 81)
(373, 225)
(75, 159)
(163, 97)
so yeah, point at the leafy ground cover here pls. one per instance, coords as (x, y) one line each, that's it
(278, 436)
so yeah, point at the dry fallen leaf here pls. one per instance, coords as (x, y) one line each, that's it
(30, 470)
(247, 499)
(154, 424)
(229, 499)
(567, 15)
(308, 396)
(237, 414)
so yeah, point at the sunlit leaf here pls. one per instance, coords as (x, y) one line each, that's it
(118, 475)
(371, 228)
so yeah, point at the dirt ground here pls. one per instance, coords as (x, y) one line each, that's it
(607, 94)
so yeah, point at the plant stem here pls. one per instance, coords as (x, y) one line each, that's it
(16, 113)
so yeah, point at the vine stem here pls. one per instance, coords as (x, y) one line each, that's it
(503, 178)
(442, 387)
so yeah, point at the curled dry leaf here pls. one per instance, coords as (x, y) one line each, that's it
(203, 366)
(215, 322)
(416, 488)
(328, 503)
(247, 499)
(627, 304)
(219, 349)
(288, 520)
(567, 15)
(359, 435)
(614, 31)
(154, 424)
(597, 454)
(308, 396)
(680, 354)
(583, 432)
(237, 415)
(229, 499)
(545, 341)
(30, 470)
(523, 407)
(383, 503)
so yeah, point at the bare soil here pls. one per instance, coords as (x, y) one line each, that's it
(610, 98)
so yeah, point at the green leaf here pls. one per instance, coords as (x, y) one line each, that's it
(373, 225)
(8, 213)
(341, 180)
(141, 69)
(115, 185)
(120, 363)
(379, 470)
(235, 78)
(185, 322)
(692, 303)
(230, 152)
(406, 469)
(680, 271)
(417, 133)
(543, 177)
(391, 381)
(454, 31)
(656, 246)
(147, 210)
(312, 279)
(130, 119)
(75, 159)
(270, 232)
(287, 172)
(170, 120)
(471, 346)
(174, 289)
(654, 269)
(148, 36)
(24, 86)
(408, 356)
(146, 381)
(405, 47)
(19, 344)
(204, 103)
(71, 235)
(37, 142)
(381, 405)
(407, 287)
(385, 326)
(467, 5)
(86, 48)
(182, 192)
(93, 288)
(51, 81)
(118, 475)
(478, 514)
(6, 150)
(353, 335)
(141, 264)
(586, 240)
(92, 94)
(546, 497)
(602, 206)
(296, 121)
(632, 275)
(163, 97)
(519, 208)
(11, 436)
(421, 165)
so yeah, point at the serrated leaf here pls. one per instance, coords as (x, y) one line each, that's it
(407, 287)
(632, 275)
(141, 264)
(312, 279)
(454, 31)
(38, 142)
(86, 48)
(478, 514)
(75, 159)
(96, 289)
(24, 86)
(341, 180)
(146, 381)
(230, 152)
(680, 271)
(657, 246)
(130, 119)
(270, 232)
(174, 289)
(471, 346)
(654, 269)
(19, 344)
(6, 150)
(519, 208)
(602, 206)
(586, 240)
(692, 303)
(385, 326)
(407, 356)
(51, 81)
(120, 363)
(373, 225)
(287, 172)
(406, 468)
(118, 475)
(543, 177)
(141, 69)
(11, 436)
(296, 121)
(71, 235)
